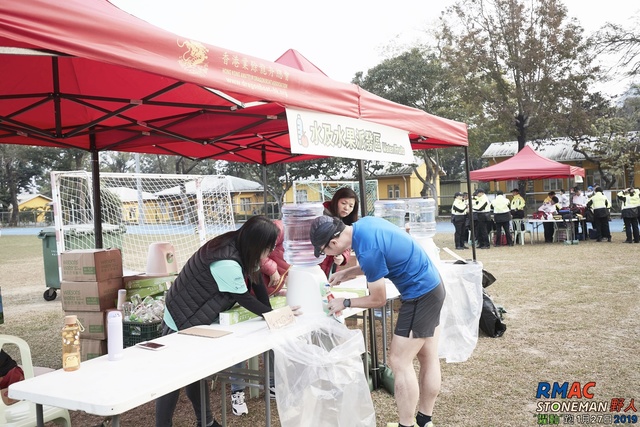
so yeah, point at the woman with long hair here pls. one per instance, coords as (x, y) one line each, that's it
(344, 205)
(223, 272)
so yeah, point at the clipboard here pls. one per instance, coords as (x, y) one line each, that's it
(200, 331)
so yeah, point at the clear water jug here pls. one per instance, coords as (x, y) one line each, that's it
(297, 219)
(392, 210)
(422, 217)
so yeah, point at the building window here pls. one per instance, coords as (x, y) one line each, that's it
(552, 184)
(245, 204)
(393, 191)
(301, 196)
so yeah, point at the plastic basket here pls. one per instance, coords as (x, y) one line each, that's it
(135, 332)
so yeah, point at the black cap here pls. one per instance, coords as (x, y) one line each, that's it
(322, 230)
(457, 194)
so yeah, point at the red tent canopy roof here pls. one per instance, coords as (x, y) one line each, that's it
(526, 165)
(294, 59)
(119, 83)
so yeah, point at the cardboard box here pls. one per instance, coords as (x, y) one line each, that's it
(91, 265)
(94, 323)
(90, 296)
(145, 280)
(239, 314)
(90, 349)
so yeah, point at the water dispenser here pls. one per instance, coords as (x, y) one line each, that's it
(422, 217)
(305, 278)
(393, 211)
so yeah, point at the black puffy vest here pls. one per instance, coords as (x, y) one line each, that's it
(194, 298)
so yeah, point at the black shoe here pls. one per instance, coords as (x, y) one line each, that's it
(598, 240)
(467, 247)
(627, 241)
(458, 247)
(608, 239)
(636, 241)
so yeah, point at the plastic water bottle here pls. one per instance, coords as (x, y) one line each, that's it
(422, 217)
(325, 294)
(393, 211)
(115, 339)
(71, 343)
(297, 219)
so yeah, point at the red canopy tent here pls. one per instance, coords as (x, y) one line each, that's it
(85, 74)
(526, 165)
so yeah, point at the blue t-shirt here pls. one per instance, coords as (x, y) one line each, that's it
(385, 250)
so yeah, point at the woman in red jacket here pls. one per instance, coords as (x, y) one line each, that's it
(343, 205)
(274, 268)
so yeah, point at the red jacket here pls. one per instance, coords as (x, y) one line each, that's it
(274, 261)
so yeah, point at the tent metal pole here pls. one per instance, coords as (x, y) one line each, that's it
(363, 189)
(95, 178)
(470, 210)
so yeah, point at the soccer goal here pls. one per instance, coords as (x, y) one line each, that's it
(140, 209)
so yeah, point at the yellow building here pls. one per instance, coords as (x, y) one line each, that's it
(403, 182)
(38, 204)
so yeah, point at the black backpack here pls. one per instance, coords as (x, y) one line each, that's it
(491, 318)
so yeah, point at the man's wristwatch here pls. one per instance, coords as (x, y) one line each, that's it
(346, 302)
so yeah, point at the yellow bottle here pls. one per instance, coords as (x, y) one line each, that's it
(71, 343)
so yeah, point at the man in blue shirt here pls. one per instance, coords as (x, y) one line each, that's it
(383, 250)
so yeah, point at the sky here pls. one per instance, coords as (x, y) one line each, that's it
(341, 37)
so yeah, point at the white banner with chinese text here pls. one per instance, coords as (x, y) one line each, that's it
(337, 136)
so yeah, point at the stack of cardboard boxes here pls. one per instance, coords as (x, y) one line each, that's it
(89, 287)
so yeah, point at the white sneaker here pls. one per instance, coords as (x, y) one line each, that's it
(272, 392)
(238, 405)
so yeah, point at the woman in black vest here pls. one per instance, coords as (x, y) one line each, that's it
(224, 271)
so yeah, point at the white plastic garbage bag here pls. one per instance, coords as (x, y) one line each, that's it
(460, 315)
(320, 379)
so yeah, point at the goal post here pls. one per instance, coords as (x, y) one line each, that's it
(140, 209)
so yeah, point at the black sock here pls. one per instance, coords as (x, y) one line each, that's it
(402, 425)
(422, 419)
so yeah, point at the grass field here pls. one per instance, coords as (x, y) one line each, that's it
(572, 316)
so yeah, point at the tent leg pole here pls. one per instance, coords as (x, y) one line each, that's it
(97, 204)
(470, 210)
(363, 189)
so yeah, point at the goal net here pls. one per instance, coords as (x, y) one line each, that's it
(140, 209)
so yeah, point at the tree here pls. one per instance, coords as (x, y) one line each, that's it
(625, 42)
(19, 166)
(526, 63)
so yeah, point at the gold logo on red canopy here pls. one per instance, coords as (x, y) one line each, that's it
(193, 60)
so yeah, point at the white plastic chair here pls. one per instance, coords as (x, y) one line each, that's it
(518, 226)
(23, 413)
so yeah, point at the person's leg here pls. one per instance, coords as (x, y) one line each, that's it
(507, 232)
(628, 229)
(165, 406)
(238, 404)
(430, 376)
(193, 393)
(401, 354)
(457, 237)
(606, 233)
(498, 241)
(636, 230)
